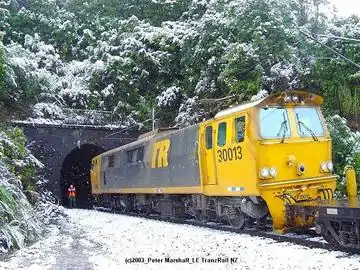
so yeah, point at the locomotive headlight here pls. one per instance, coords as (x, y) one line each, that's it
(264, 173)
(324, 166)
(295, 99)
(273, 172)
(327, 166)
(330, 166)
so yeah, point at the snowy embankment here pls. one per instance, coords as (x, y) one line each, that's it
(95, 240)
(24, 213)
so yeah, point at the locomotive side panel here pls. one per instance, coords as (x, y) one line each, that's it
(123, 168)
(165, 161)
(111, 165)
(182, 166)
(133, 169)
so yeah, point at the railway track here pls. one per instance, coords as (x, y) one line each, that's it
(307, 238)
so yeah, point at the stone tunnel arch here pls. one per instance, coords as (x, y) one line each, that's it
(76, 170)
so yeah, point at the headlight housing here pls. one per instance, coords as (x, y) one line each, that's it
(323, 166)
(330, 166)
(326, 166)
(273, 172)
(266, 172)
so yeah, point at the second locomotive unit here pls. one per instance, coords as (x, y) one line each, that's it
(247, 163)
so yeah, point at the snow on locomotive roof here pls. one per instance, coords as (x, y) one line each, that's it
(302, 97)
(239, 108)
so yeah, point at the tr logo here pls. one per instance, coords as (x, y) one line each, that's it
(160, 154)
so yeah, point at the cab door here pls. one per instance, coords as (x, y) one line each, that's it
(209, 169)
(221, 147)
(234, 165)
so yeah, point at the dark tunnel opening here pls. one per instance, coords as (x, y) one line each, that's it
(76, 171)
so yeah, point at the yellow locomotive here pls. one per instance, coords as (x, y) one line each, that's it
(247, 163)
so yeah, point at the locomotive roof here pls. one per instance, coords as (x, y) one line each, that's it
(129, 145)
(239, 108)
(142, 139)
(276, 98)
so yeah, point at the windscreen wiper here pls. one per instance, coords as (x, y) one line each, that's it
(306, 127)
(283, 127)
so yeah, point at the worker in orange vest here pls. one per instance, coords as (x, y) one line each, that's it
(72, 196)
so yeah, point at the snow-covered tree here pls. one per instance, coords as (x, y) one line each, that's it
(2, 66)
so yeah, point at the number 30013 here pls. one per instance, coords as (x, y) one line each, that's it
(229, 154)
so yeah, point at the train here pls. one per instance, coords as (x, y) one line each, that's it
(269, 158)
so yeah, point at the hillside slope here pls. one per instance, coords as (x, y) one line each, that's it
(129, 56)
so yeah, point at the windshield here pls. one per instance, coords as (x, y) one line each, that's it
(274, 123)
(308, 121)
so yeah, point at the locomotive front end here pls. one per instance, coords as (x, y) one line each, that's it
(294, 157)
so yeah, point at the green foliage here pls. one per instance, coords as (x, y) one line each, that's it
(2, 66)
(154, 12)
(335, 78)
(345, 148)
(208, 49)
(357, 168)
(14, 153)
(19, 224)
(240, 75)
(7, 202)
(9, 214)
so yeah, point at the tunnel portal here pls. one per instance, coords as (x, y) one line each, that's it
(76, 171)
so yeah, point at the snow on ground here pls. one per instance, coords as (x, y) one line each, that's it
(96, 240)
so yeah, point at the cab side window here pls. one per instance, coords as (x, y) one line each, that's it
(221, 140)
(135, 155)
(111, 161)
(208, 137)
(129, 156)
(140, 154)
(240, 129)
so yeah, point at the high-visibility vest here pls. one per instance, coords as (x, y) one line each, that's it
(71, 192)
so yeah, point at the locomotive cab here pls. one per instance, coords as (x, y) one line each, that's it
(294, 156)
